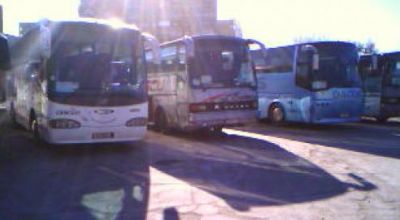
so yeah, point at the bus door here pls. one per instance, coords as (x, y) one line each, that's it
(372, 78)
(182, 81)
(308, 60)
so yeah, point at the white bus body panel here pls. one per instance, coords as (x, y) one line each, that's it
(94, 120)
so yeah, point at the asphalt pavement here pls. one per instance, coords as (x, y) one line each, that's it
(294, 171)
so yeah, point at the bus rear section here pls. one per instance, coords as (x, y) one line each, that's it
(217, 108)
(88, 87)
(312, 83)
(211, 85)
(381, 83)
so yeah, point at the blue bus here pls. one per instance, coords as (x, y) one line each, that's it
(380, 75)
(312, 83)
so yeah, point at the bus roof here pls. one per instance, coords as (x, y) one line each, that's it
(392, 54)
(114, 24)
(383, 55)
(315, 43)
(203, 37)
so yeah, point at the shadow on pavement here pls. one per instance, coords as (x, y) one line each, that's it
(247, 172)
(106, 181)
(370, 137)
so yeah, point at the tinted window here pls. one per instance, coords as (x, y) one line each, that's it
(169, 59)
(279, 60)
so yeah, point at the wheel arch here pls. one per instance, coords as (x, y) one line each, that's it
(273, 104)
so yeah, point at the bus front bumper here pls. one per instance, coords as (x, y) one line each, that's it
(85, 135)
(220, 119)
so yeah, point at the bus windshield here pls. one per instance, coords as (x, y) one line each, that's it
(95, 60)
(221, 63)
(338, 65)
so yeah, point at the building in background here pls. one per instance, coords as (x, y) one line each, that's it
(166, 19)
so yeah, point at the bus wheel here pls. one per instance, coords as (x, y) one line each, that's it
(161, 123)
(276, 114)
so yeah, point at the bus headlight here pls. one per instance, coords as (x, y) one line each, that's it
(320, 85)
(64, 124)
(136, 122)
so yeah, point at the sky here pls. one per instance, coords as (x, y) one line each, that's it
(274, 22)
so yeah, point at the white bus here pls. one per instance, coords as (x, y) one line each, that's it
(202, 82)
(81, 81)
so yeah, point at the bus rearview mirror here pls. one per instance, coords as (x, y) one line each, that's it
(45, 42)
(190, 51)
(151, 42)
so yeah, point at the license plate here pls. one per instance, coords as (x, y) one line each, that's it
(103, 135)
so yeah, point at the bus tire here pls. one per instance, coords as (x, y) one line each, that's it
(276, 114)
(161, 123)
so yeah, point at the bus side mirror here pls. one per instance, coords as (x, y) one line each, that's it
(190, 51)
(45, 42)
(152, 43)
(312, 55)
(254, 45)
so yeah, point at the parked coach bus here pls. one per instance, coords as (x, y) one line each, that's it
(312, 83)
(203, 82)
(80, 81)
(381, 82)
(4, 65)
